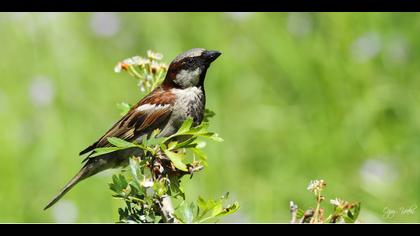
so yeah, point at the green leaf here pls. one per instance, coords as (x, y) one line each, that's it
(188, 213)
(201, 202)
(175, 188)
(200, 155)
(123, 182)
(121, 143)
(199, 130)
(152, 140)
(351, 216)
(300, 213)
(229, 210)
(176, 159)
(135, 168)
(217, 209)
(186, 143)
(185, 126)
(119, 183)
(356, 211)
(204, 207)
(159, 188)
(347, 219)
(172, 145)
(208, 114)
(105, 150)
(216, 137)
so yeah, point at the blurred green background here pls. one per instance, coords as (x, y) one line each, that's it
(298, 96)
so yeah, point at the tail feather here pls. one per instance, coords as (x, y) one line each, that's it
(82, 174)
(96, 165)
(88, 149)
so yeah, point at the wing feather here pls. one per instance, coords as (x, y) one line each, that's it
(150, 113)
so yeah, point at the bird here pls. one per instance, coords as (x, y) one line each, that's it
(180, 96)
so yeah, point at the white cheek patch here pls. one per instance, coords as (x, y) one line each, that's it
(149, 107)
(187, 78)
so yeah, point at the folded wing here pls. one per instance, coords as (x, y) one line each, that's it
(150, 113)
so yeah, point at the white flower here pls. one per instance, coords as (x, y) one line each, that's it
(147, 183)
(136, 61)
(143, 61)
(130, 61)
(316, 186)
(139, 61)
(118, 67)
(154, 67)
(154, 55)
(337, 202)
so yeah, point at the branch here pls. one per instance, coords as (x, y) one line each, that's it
(165, 205)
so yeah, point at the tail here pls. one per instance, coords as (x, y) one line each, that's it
(96, 165)
(82, 174)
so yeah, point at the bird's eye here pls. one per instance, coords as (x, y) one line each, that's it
(189, 60)
(188, 63)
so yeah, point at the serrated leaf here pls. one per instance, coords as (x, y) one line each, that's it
(172, 145)
(186, 143)
(185, 126)
(216, 137)
(176, 159)
(356, 211)
(153, 140)
(201, 127)
(122, 181)
(201, 202)
(119, 183)
(229, 210)
(121, 143)
(175, 188)
(217, 209)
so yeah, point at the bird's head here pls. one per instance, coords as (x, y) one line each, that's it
(189, 68)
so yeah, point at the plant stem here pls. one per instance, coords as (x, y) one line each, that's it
(318, 205)
(167, 210)
(293, 211)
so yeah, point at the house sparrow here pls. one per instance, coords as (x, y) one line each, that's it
(181, 95)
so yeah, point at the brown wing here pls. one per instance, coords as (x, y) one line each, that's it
(148, 114)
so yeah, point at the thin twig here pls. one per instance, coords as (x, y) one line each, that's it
(165, 205)
(293, 211)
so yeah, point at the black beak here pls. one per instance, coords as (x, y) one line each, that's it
(210, 55)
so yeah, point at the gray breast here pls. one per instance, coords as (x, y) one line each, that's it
(189, 102)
